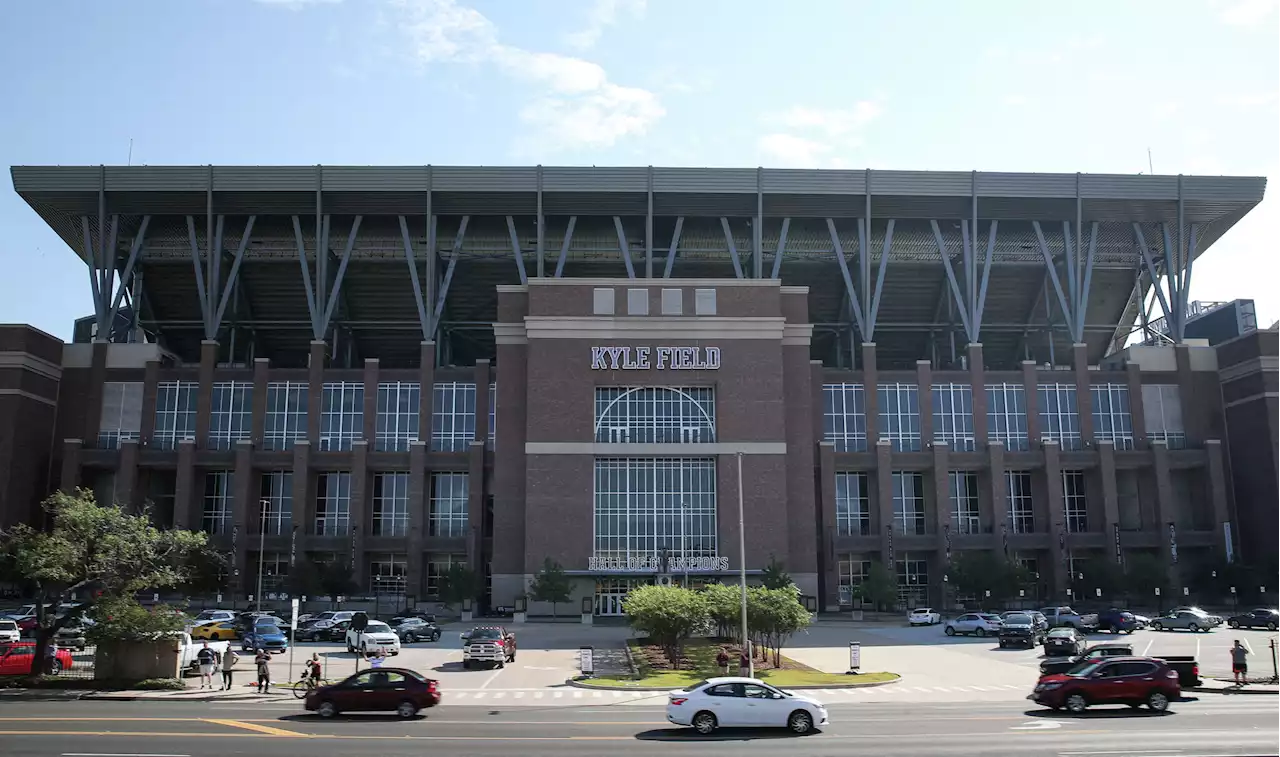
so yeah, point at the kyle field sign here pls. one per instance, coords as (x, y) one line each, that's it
(655, 358)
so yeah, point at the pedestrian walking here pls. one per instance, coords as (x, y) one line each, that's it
(229, 660)
(744, 665)
(263, 661)
(207, 659)
(1239, 663)
(722, 661)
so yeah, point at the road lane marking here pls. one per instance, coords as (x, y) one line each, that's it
(537, 695)
(119, 754)
(557, 695)
(1127, 751)
(490, 679)
(1148, 648)
(269, 730)
(1037, 725)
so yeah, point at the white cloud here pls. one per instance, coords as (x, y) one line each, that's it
(572, 101)
(791, 151)
(816, 137)
(601, 15)
(1246, 12)
(832, 122)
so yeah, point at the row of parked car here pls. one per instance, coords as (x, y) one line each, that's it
(1114, 620)
(262, 630)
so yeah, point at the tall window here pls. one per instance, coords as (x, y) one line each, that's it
(391, 504)
(899, 420)
(913, 581)
(448, 516)
(844, 417)
(398, 404)
(953, 416)
(387, 574)
(276, 502)
(493, 414)
(121, 418)
(175, 413)
(275, 572)
(217, 502)
(341, 415)
(286, 419)
(963, 488)
(333, 503)
(1162, 411)
(643, 505)
(655, 415)
(453, 417)
(908, 503)
(231, 415)
(437, 567)
(1111, 419)
(1059, 416)
(1022, 519)
(1007, 415)
(1074, 501)
(853, 517)
(852, 572)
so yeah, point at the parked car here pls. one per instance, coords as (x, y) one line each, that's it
(1133, 681)
(414, 629)
(213, 616)
(375, 636)
(1065, 616)
(924, 616)
(1092, 654)
(216, 631)
(9, 631)
(1064, 641)
(1018, 629)
(270, 638)
(72, 636)
(488, 644)
(402, 691)
(1143, 621)
(743, 703)
(337, 631)
(1186, 619)
(16, 659)
(334, 616)
(188, 648)
(1259, 618)
(976, 623)
(313, 629)
(1117, 621)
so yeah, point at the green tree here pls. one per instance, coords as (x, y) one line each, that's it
(1100, 572)
(208, 572)
(1144, 573)
(334, 579)
(551, 585)
(94, 554)
(724, 608)
(458, 584)
(775, 575)
(975, 573)
(879, 587)
(773, 617)
(123, 619)
(666, 614)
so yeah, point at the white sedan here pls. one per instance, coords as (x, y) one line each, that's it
(924, 616)
(743, 703)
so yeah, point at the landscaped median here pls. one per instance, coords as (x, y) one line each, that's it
(698, 663)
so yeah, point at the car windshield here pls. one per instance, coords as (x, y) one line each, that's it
(486, 633)
(266, 630)
(921, 611)
(8, 625)
(377, 628)
(409, 621)
(1067, 632)
(1018, 620)
(988, 616)
(1084, 669)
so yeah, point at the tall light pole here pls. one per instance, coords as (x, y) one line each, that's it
(742, 574)
(684, 546)
(264, 509)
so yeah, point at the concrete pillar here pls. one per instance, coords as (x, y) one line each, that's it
(93, 394)
(1110, 497)
(261, 381)
(999, 495)
(1084, 396)
(944, 528)
(1217, 483)
(370, 432)
(315, 390)
(924, 389)
(427, 379)
(1193, 419)
(246, 513)
(150, 384)
(978, 387)
(870, 394)
(1137, 411)
(186, 491)
(361, 518)
(1029, 385)
(303, 489)
(69, 476)
(1058, 546)
(829, 562)
(475, 503)
(127, 475)
(204, 391)
(1166, 522)
(418, 491)
(884, 499)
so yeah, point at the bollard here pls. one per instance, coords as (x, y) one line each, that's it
(855, 658)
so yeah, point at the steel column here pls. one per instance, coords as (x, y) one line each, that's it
(981, 305)
(322, 243)
(874, 312)
(624, 247)
(781, 249)
(448, 274)
(429, 286)
(757, 238)
(564, 245)
(675, 244)
(101, 242)
(312, 309)
(540, 223)
(109, 275)
(95, 282)
(854, 305)
(515, 249)
(126, 278)
(1151, 272)
(1191, 259)
(200, 282)
(1082, 305)
(212, 279)
(423, 319)
(233, 275)
(648, 228)
(1177, 307)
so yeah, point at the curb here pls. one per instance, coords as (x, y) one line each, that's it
(1233, 690)
(578, 684)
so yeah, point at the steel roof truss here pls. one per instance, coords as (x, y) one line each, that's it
(126, 278)
(733, 247)
(564, 246)
(519, 255)
(854, 305)
(781, 249)
(626, 248)
(1151, 272)
(675, 244)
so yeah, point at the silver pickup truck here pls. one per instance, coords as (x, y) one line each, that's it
(1065, 616)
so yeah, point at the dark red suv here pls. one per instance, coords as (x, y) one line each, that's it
(377, 690)
(1134, 681)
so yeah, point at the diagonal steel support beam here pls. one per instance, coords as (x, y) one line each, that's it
(956, 295)
(624, 247)
(203, 292)
(342, 272)
(1191, 259)
(516, 251)
(980, 306)
(423, 319)
(733, 248)
(1172, 277)
(312, 309)
(1151, 273)
(233, 275)
(92, 263)
(127, 276)
(564, 246)
(854, 305)
(1082, 304)
(874, 312)
(675, 244)
(109, 280)
(782, 248)
(448, 274)
(1052, 270)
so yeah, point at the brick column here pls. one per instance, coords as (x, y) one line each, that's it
(185, 489)
(1084, 397)
(93, 394)
(870, 395)
(1058, 546)
(942, 497)
(303, 490)
(924, 389)
(371, 379)
(315, 390)
(261, 380)
(419, 489)
(999, 495)
(69, 477)
(1137, 411)
(1217, 483)
(1110, 498)
(482, 373)
(426, 380)
(361, 511)
(827, 533)
(1193, 420)
(884, 499)
(475, 503)
(246, 515)
(1165, 506)
(1029, 385)
(978, 387)
(127, 475)
(150, 382)
(204, 392)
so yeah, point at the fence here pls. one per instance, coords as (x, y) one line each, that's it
(68, 662)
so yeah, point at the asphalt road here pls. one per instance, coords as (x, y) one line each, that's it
(1213, 725)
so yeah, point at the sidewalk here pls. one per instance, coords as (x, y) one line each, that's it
(1221, 686)
(240, 693)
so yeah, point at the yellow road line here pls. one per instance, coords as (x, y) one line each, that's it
(270, 731)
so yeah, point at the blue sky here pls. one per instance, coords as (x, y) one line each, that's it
(927, 84)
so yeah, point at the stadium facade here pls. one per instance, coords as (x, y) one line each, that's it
(403, 368)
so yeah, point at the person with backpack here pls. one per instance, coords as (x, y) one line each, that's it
(228, 662)
(207, 659)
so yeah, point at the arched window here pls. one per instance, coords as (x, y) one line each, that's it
(655, 415)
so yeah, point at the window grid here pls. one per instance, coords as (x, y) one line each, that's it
(333, 503)
(1059, 416)
(853, 515)
(231, 414)
(121, 418)
(437, 566)
(908, 503)
(1162, 410)
(275, 571)
(449, 515)
(913, 581)
(655, 415)
(397, 422)
(953, 416)
(277, 512)
(391, 504)
(1074, 502)
(341, 415)
(645, 504)
(216, 517)
(844, 417)
(899, 416)
(1007, 415)
(963, 489)
(175, 413)
(286, 418)
(388, 574)
(453, 416)
(1111, 416)
(1021, 505)
(852, 572)
(493, 415)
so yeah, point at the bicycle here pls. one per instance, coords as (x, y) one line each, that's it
(306, 684)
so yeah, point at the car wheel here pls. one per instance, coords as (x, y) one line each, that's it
(1192, 627)
(1157, 701)
(407, 709)
(435, 636)
(800, 722)
(466, 664)
(1077, 703)
(1233, 623)
(1157, 626)
(1271, 625)
(704, 723)
(1002, 645)
(327, 709)
(949, 630)
(56, 667)
(981, 632)
(1130, 631)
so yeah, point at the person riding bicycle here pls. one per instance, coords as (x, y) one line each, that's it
(313, 669)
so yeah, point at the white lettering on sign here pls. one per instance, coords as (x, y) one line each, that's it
(646, 563)
(660, 358)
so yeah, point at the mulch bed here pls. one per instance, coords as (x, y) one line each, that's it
(701, 655)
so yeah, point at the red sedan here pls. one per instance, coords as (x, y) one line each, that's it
(377, 690)
(15, 659)
(1134, 681)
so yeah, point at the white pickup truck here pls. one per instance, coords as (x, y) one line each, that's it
(188, 649)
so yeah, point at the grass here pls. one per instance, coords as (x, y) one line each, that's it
(702, 654)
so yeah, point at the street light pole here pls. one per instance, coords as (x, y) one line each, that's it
(264, 509)
(684, 546)
(742, 574)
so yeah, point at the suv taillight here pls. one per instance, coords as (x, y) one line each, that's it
(1171, 674)
(431, 686)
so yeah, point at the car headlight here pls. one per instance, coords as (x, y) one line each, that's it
(1048, 686)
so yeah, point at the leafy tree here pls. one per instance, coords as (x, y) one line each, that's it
(880, 587)
(773, 617)
(724, 609)
(95, 554)
(666, 614)
(208, 572)
(974, 573)
(123, 619)
(458, 584)
(775, 576)
(1100, 572)
(551, 585)
(304, 581)
(334, 579)
(1144, 573)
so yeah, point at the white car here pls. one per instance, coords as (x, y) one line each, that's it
(376, 635)
(924, 616)
(9, 630)
(743, 703)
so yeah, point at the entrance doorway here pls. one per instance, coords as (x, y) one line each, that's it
(611, 592)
